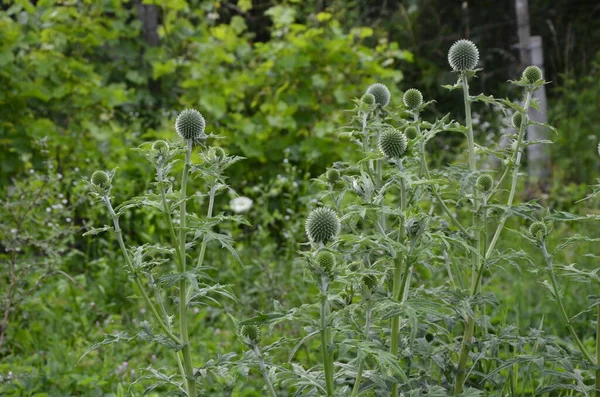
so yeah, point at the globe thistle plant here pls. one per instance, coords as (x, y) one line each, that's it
(144, 269)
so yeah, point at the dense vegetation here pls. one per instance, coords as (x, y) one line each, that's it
(93, 265)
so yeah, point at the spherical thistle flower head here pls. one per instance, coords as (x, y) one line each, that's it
(190, 124)
(333, 175)
(370, 281)
(381, 94)
(326, 261)
(100, 179)
(484, 183)
(368, 98)
(411, 132)
(517, 120)
(251, 332)
(532, 74)
(393, 143)
(463, 55)
(412, 98)
(322, 225)
(538, 230)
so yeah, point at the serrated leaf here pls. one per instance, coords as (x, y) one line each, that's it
(97, 230)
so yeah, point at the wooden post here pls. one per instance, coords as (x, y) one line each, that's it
(538, 156)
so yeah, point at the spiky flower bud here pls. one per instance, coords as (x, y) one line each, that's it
(252, 332)
(322, 225)
(100, 179)
(538, 230)
(411, 132)
(368, 98)
(485, 183)
(160, 146)
(190, 124)
(517, 120)
(370, 281)
(412, 98)
(392, 143)
(381, 94)
(333, 175)
(532, 74)
(412, 227)
(326, 261)
(463, 55)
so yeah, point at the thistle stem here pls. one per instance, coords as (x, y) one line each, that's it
(516, 162)
(425, 169)
(211, 203)
(183, 324)
(361, 364)
(563, 311)
(165, 205)
(470, 324)
(598, 351)
(161, 305)
(264, 372)
(400, 275)
(325, 343)
(379, 171)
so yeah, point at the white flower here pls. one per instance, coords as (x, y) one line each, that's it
(240, 204)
